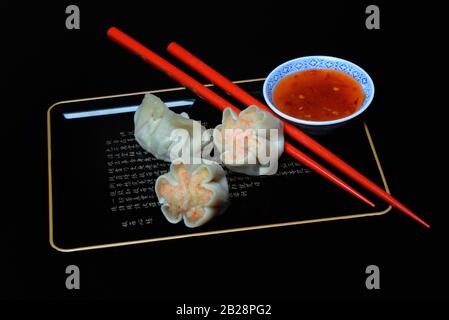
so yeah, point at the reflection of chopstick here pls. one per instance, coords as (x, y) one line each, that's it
(205, 93)
(290, 129)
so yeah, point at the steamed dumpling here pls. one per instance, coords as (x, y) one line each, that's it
(154, 124)
(194, 193)
(244, 147)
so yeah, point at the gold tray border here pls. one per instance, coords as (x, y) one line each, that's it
(126, 243)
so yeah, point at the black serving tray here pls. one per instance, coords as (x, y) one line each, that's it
(101, 183)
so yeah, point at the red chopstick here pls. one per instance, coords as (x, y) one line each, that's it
(241, 95)
(205, 93)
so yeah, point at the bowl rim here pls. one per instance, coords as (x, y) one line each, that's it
(364, 106)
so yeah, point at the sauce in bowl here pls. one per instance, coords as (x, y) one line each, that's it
(318, 95)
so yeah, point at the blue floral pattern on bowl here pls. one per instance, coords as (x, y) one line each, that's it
(319, 62)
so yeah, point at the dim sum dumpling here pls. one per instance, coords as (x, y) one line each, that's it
(154, 124)
(251, 142)
(194, 193)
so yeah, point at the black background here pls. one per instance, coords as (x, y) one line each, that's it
(46, 63)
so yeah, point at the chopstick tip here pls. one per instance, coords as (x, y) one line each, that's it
(370, 203)
(418, 219)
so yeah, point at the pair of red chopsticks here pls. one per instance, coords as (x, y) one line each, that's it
(205, 93)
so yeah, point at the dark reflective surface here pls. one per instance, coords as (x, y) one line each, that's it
(103, 182)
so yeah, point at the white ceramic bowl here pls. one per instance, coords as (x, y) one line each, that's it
(318, 62)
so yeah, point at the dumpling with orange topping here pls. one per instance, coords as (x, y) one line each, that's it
(251, 142)
(194, 193)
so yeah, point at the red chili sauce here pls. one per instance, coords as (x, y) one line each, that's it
(318, 95)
